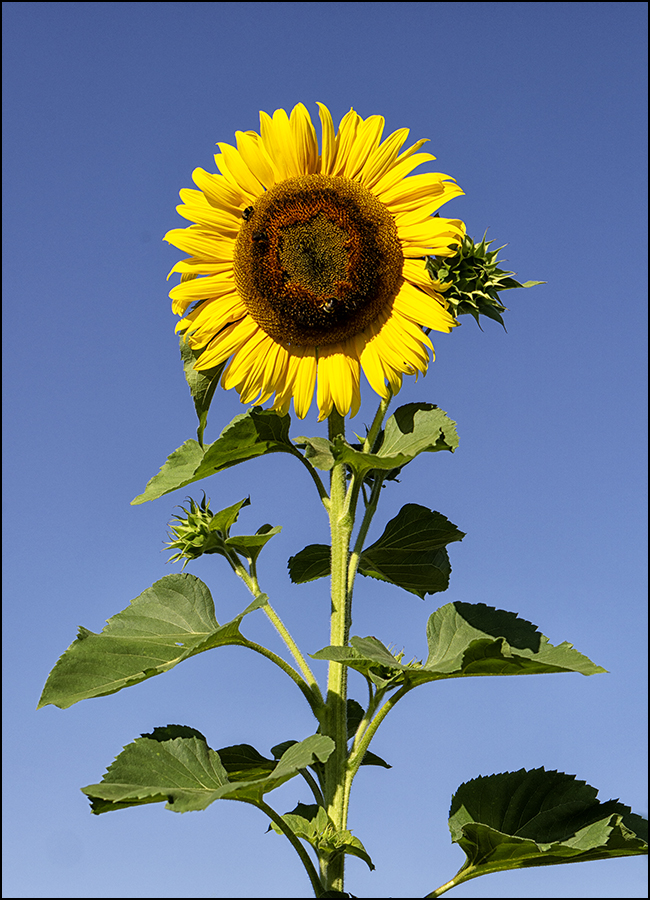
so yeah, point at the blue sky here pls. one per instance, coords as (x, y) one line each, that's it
(538, 110)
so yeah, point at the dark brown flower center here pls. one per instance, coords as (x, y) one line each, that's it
(317, 260)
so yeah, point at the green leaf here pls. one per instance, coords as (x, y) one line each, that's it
(371, 759)
(310, 563)
(465, 639)
(171, 621)
(202, 384)
(355, 713)
(188, 775)
(516, 820)
(176, 472)
(413, 429)
(184, 773)
(226, 518)
(312, 824)
(249, 435)
(417, 428)
(314, 749)
(243, 762)
(251, 545)
(318, 450)
(411, 551)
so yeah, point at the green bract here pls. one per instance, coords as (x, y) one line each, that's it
(474, 280)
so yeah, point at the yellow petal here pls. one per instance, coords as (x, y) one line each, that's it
(219, 191)
(365, 143)
(305, 141)
(345, 140)
(252, 152)
(329, 140)
(423, 309)
(338, 380)
(226, 342)
(382, 158)
(235, 169)
(201, 243)
(399, 171)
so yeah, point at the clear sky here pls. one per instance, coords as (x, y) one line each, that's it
(538, 110)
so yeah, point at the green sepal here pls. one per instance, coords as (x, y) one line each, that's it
(249, 435)
(410, 553)
(186, 774)
(171, 621)
(311, 823)
(202, 384)
(475, 280)
(517, 820)
(464, 639)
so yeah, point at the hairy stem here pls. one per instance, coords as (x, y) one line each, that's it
(335, 720)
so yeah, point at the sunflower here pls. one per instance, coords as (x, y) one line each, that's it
(307, 267)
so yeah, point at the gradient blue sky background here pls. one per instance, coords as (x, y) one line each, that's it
(538, 110)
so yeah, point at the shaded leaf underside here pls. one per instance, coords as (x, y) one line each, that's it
(466, 639)
(534, 818)
(186, 774)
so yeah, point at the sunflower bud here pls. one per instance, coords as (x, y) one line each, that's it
(471, 280)
(192, 532)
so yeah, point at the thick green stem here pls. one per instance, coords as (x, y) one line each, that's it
(335, 720)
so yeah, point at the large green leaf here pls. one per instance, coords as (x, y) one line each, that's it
(249, 435)
(186, 774)
(537, 818)
(465, 639)
(410, 553)
(417, 428)
(412, 429)
(171, 621)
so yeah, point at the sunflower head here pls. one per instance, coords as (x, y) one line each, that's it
(308, 264)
